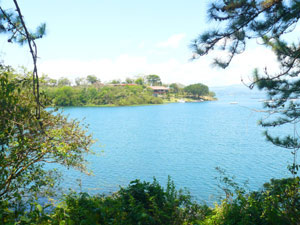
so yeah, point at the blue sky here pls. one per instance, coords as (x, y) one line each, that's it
(117, 39)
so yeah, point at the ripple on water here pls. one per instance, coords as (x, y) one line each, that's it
(185, 141)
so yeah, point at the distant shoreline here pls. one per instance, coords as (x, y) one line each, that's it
(187, 100)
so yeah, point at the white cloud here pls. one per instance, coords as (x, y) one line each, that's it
(172, 42)
(171, 70)
(142, 44)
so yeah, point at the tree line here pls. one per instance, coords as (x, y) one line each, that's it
(150, 80)
(90, 91)
(31, 136)
(104, 95)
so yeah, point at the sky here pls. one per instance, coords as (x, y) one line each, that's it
(116, 39)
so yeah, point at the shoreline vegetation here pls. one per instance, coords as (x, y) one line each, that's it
(32, 137)
(90, 92)
(176, 100)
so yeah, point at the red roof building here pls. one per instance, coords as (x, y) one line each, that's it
(159, 89)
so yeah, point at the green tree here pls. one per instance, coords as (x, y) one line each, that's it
(138, 203)
(28, 142)
(115, 81)
(153, 80)
(268, 22)
(174, 87)
(45, 80)
(212, 94)
(79, 81)
(12, 23)
(30, 134)
(197, 90)
(66, 96)
(129, 80)
(63, 81)
(52, 82)
(92, 79)
(140, 81)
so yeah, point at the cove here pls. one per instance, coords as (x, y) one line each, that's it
(184, 140)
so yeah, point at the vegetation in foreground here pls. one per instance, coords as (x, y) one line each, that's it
(25, 181)
(31, 136)
(278, 202)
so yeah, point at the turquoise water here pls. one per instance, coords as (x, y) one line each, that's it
(186, 141)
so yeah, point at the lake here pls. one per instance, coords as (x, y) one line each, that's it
(184, 140)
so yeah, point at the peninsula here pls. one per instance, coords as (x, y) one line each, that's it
(90, 91)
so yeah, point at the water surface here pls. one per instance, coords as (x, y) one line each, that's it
(184, 140)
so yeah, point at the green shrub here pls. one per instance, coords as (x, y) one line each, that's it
(148, 203)
(107, 95)
(139, 203)
(277, 203)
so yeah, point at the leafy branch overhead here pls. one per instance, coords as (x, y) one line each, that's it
(25, 146)
(242, 20)
(268, 22)
(13, 24)
(30, 134)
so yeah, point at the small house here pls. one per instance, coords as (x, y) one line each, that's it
(159, 90)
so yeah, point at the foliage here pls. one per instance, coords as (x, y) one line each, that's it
(11, 24)
(92, 79)
(140, 81)
(106, 95)
(153, 80)
(278, 202)
(118, 94)
(139, 203)
(115, 82)
(30, 135)
(65, 96)
(269, 22)
(28, 141)
(212, 94)
(174, 88)
(129, 81)
(63, 81)
(79, 81)
(197, 90)
(44, 80)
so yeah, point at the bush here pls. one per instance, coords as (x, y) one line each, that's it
(277, 203)
(149, 203)
(139, 203)
(107, 95)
